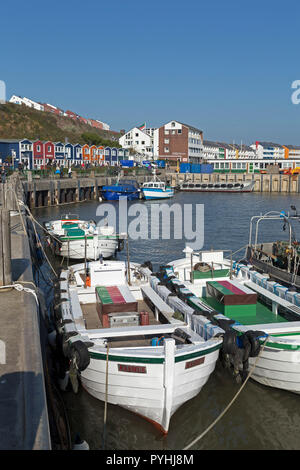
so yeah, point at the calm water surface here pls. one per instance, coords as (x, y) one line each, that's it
(261, 417)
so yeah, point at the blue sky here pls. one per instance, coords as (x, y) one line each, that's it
(223, 66)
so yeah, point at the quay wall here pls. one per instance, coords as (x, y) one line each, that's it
(272, 183)
(50, 192)
(24, 420)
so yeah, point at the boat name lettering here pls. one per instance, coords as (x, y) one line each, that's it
(194, 363)
(137, 369)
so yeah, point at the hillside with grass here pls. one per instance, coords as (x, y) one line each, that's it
(19, 122)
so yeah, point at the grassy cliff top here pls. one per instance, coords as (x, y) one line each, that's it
(19, 122)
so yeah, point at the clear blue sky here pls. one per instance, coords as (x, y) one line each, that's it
(223, 66)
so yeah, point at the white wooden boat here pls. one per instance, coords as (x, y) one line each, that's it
(77, 239)
(274, 320)
(150, 369)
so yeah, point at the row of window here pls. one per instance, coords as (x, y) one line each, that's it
(173, 131)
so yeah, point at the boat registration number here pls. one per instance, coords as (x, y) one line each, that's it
(194, 363)
(136, 369)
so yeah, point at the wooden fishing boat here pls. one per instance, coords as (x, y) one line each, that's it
(73, 238)
(126, 344)
(258, 310)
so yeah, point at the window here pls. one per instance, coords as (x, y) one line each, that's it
(173, 124)
(38, 148)
(166, 132)
(179, 131)
(166, 141)
(49, 148)
(143, 142)
(136, 134)
(173, 132)
(166, 149)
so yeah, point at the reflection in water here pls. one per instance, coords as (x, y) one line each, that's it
(261, 417)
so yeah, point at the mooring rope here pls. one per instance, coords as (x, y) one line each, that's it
(20, 288)
(231, 402)
(106, 395)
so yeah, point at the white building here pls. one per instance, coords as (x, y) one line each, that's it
(16, 99)
(105, 126)
(268, 150)
(221, 150)
(33, 104)
(140, 141)
(30, 103)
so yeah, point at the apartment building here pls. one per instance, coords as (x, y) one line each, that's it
(268, 150)
(178, 141)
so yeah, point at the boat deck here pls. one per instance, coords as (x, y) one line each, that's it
(263, 314)
(93, 321)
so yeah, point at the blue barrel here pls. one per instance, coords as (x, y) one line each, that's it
(161, 163)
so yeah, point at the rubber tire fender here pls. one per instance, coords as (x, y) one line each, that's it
(229, 342)
(80, 353)
(254, 342)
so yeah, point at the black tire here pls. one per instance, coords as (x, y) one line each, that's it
(80, 353)
(229, 342)
(254, 342)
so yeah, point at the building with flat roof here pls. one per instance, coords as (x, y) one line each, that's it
(268, 150)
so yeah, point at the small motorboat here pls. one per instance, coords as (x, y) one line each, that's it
(157, 189)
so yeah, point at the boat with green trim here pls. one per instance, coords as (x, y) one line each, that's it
(253, 306)
(125, 342)
(73, 238)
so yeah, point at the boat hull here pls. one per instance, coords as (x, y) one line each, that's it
(278, 368)
(115, 196)
(75, 249)
(248, 188)
(145, 393)
(158, 194)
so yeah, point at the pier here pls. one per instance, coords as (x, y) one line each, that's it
(24, 420)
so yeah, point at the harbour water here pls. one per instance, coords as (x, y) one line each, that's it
(261, 417)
